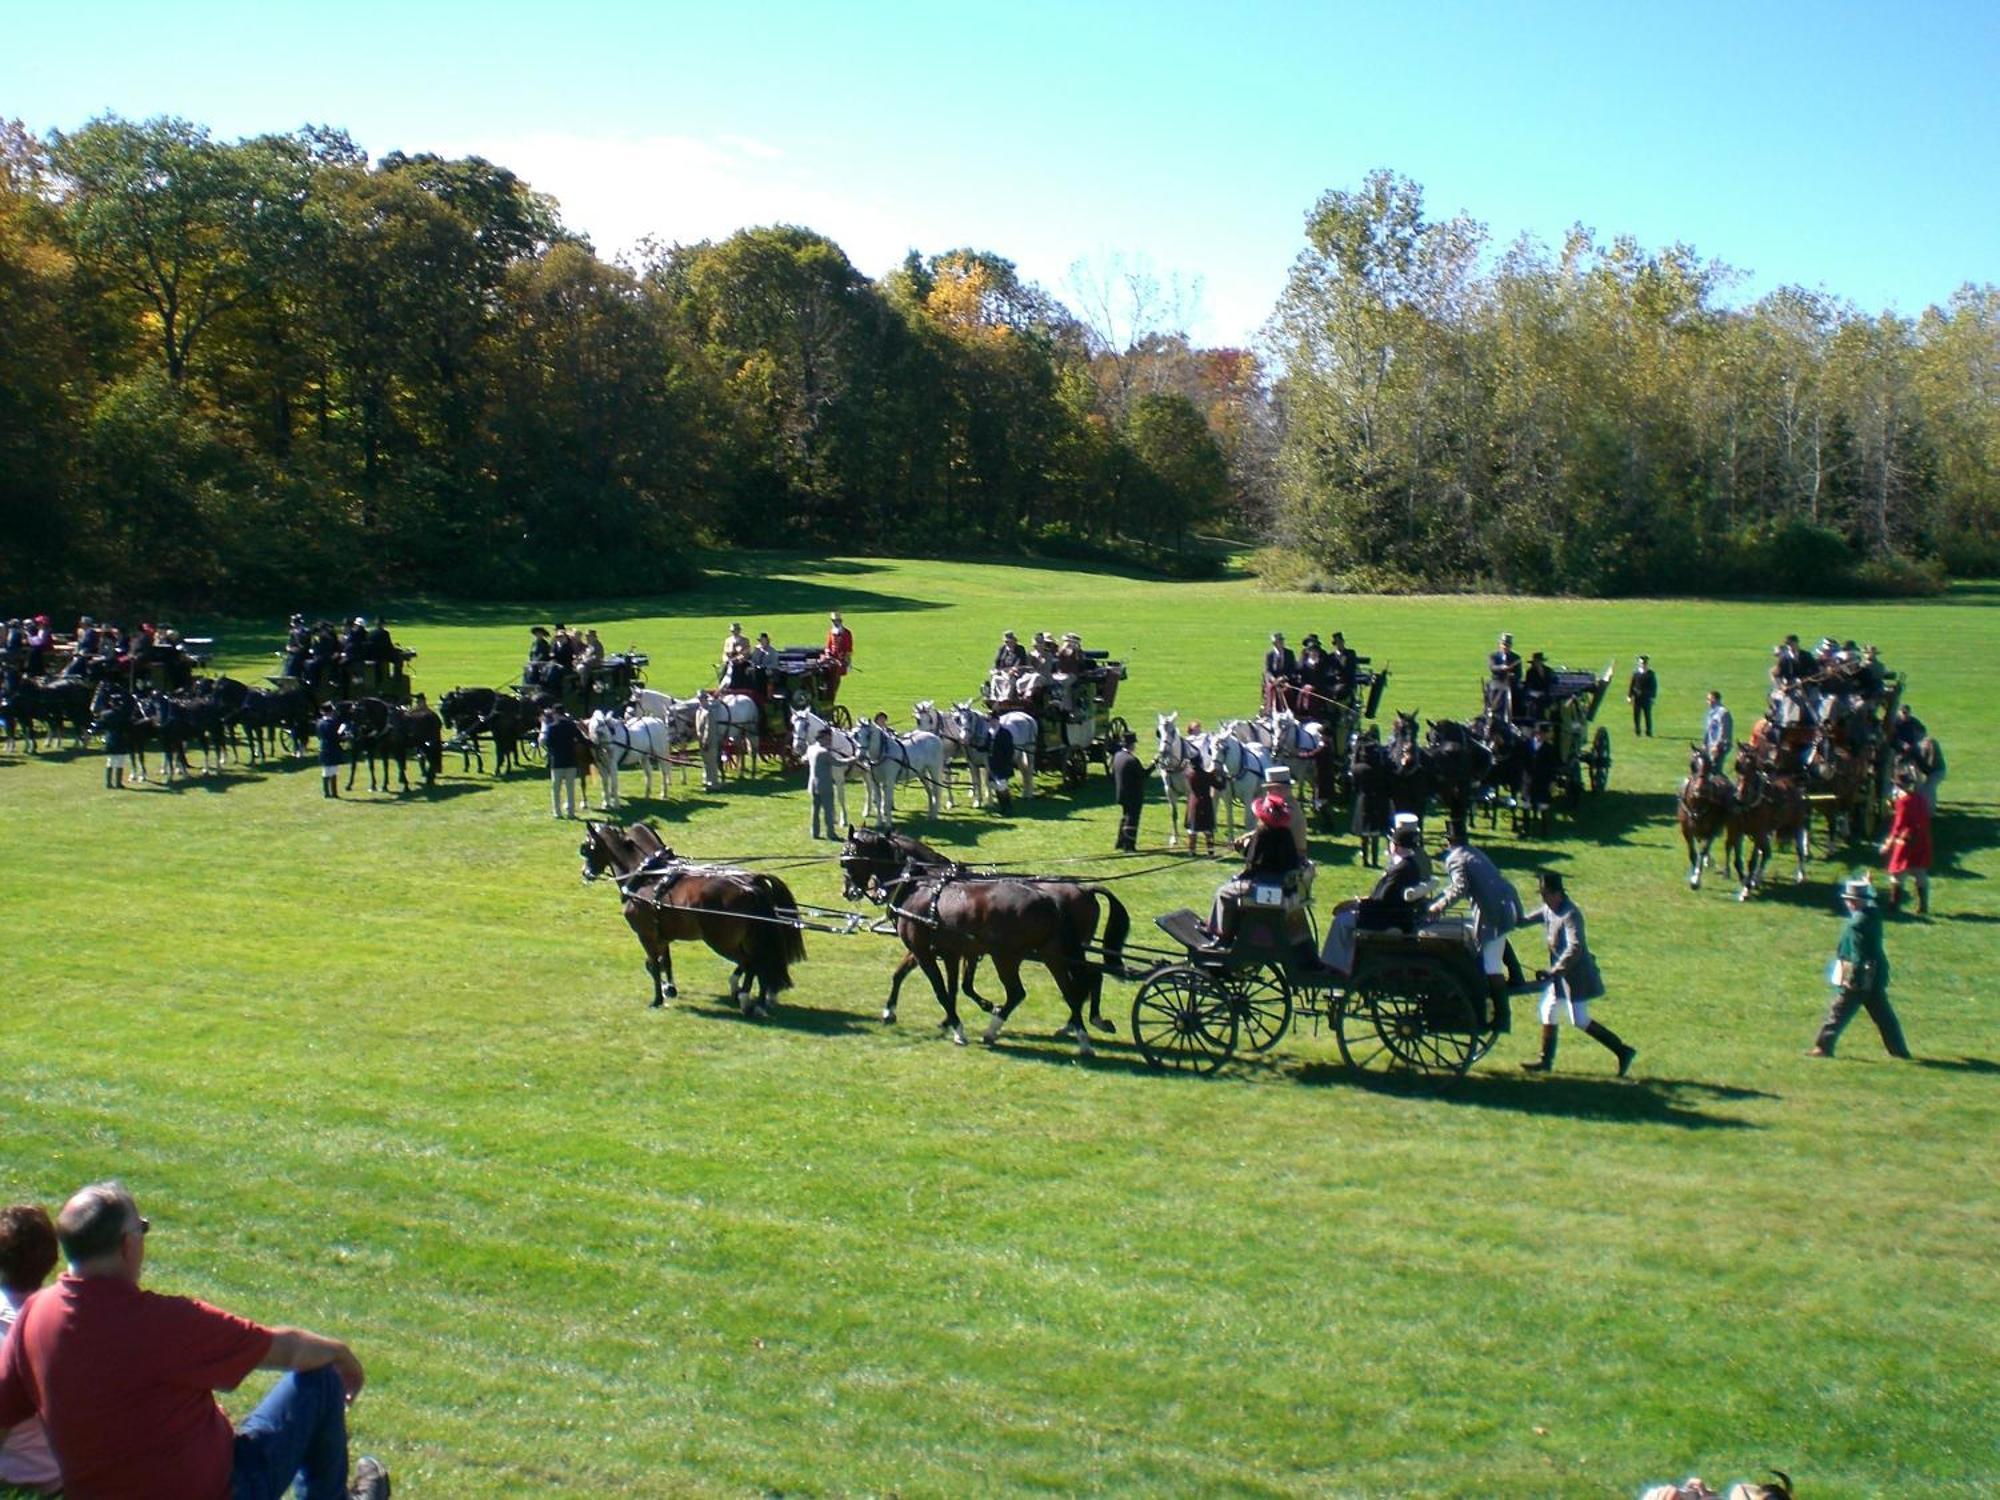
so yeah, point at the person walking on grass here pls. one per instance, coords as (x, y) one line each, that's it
(1640, 693)
(1908, 846)
(1860, 975)
(562, 742)
(1572, 978)
(124, 1379)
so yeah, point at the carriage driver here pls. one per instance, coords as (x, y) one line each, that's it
(1012, 655)
(1270, 853)
(1496, 911)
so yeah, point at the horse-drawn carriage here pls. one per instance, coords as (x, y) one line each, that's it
(1409, 1001)
(582, 691)
(340, 680)
(1069, 708)
(1571, 708)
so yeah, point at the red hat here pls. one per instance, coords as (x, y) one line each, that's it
(41, 619)
(1272, 812)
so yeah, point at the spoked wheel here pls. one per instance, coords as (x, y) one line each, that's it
(1075, 769)
(839, 717)
(1115, 732)
(1600, 759)
(1182, 1019)
(1410, 1015)
(1262, 1002)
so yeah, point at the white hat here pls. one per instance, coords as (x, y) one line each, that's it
(1406, 820)
(1858, 888)
(1278, 776)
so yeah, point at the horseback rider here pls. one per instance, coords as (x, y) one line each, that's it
(1503, 677)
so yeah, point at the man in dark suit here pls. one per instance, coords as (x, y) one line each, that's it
(1503, 676)
(1128, 784)
(1640, 693)
(1281, 669)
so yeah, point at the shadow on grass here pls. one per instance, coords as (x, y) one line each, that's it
(1960, 1064)
(788, 1015)
(1623, 1101)
(1959, 831)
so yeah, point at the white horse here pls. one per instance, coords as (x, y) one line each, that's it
(626, 743)
(933, 720)
(890, 758)
(720, 716)
(806, 727)
(1176, 754)
(970, 726)
(1295, 743)
(1243, 764)
(678, 712)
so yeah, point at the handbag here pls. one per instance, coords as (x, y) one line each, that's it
(1840, 973)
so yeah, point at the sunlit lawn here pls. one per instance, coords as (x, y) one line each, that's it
(385, 1068)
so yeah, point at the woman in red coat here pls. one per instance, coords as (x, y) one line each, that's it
(1908, 846)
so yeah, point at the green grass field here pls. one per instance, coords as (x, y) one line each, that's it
(383, 1067)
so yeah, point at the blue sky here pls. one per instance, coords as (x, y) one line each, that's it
(1855, 148)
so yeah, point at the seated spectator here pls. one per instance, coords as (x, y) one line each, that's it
(124, 1380)
(27, 1255)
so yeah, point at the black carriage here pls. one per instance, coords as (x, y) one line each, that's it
(1571, 708)
(582, 691)
(330, 681)
(801, 679)
(1074, 728)
(1413, 1002)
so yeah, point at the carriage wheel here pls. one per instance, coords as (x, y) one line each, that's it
(1075, 769)
(1115, 732)
(1410, 1015)
(1262, 1001)
(1600, 760)
(839, 717)
(1183, 1020)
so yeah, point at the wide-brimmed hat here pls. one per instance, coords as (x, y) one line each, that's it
(1272, 812)
(538, 630)
(1858, 887)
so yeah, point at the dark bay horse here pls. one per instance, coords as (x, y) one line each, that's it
(1409, 770)
(746, 918)
(507, 719)
(378, 731)
(1770, 804)
(1707, 798)
(1838, 776)
(948, 917)
(1459, 765)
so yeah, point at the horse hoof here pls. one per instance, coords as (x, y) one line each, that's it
(889, 1018)
(672, 993)
(1109, 1028)
(958, 1036)
(658, 1004)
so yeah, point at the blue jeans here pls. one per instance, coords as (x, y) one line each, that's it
(299, 1430)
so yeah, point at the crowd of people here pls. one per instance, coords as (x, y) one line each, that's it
(757, 669)
(94, 651)
(338, 659)
(107, 1389)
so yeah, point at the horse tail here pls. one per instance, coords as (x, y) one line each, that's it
(1117, 927)
(777, 945)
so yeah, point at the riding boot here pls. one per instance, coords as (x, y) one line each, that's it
(1499, 1002)
(1924, 899)
(1605, 1037)
(1512, 964)
(1548, 1058)
(1895, 896)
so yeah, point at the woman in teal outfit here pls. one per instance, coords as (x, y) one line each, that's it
(1860, 975)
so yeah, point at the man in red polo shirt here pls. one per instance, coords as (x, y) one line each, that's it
(124, 1379)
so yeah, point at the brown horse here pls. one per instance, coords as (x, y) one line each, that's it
(1706, 801)
(1838, 777)
(945, 913)
(746, 918)
(1769, 805)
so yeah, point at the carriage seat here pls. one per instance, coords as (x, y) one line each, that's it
(1186, 927)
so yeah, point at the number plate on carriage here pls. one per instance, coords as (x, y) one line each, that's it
(1266, 895)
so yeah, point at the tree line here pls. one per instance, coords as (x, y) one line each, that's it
(1593, 420)
(242, 374)
(246, 374)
